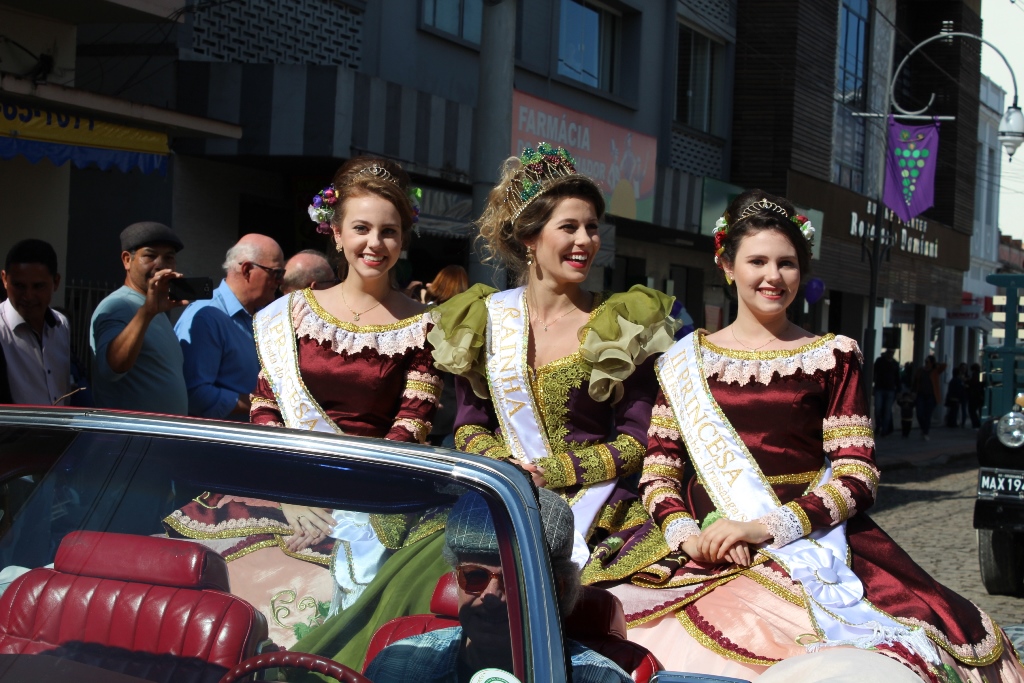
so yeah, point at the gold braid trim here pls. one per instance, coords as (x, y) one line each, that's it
(805, 521)
(269, 543)
(711, 644)
(425, 387)
(854, 468)
(837, 498)
(798, 478)
(666, 471)
(173, 520)
(673, 517)
(390, 529)
(558, 470)
(665, 422)
(842, 432)
(259, 401)
(643, 553)
(432, 526)
(654, 492)
(306, 555)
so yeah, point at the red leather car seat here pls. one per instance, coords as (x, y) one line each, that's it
(597, 621)
(154, 608)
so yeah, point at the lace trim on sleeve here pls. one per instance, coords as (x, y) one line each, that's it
(785, 525)
(663, 424)
(846, 431)
(387, 340)
(679, 527)
(418, 428)
(742, 367)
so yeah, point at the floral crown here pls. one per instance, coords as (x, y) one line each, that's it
(724, 224)
(321, 211)
(539, 169)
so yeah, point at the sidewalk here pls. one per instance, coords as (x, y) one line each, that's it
(946, 444)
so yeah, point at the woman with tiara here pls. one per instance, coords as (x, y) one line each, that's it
(759, 467)
(314, 347)
(549, 375)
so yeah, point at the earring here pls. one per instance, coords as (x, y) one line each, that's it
(529, 256)
(728, 278)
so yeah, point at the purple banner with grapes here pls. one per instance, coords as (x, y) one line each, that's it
(910, 168)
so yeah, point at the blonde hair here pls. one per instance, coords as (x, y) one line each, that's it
(361, 176)
(502, 238)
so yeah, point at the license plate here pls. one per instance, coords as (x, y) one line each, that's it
(1000, 483)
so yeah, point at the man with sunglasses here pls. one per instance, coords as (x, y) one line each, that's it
(482, 640)
(216, 334)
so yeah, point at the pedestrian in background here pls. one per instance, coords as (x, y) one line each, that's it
(906, 402)
(956, 397)
(887, 382)
(975, 395)
(308, 268)
(220, 361)
(137, 362)
(449, 281)
(927, 391)
(35, 340)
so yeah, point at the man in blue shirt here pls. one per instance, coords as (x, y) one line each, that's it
(482, 640)
(136, 358)
(216, 334)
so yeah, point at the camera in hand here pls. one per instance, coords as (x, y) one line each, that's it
(190, 288)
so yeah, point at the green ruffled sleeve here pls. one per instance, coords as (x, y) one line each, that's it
(459, 335)
(630, 328)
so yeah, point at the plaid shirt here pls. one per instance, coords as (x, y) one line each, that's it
(432, 657)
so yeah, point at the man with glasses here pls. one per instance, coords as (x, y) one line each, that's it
(137, 363)
(482, 640)
(216, 334)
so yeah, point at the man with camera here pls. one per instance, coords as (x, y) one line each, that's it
(216, 334)
(137, 363)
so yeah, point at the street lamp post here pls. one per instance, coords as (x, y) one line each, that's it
(876, 246)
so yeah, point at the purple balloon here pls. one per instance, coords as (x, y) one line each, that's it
(814, 290)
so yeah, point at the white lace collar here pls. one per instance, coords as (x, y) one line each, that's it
(740, 367)
(313, 321)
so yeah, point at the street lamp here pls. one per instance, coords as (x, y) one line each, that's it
(1011, 135)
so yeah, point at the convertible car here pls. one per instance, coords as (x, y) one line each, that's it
(96, 586)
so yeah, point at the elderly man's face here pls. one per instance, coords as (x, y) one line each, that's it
(483, 611)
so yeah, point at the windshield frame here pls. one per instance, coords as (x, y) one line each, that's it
(541, 654)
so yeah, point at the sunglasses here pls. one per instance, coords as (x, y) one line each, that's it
(276, 273)
(475, 579)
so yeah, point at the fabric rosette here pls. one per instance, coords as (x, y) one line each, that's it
(826, 579)
(632, 327)
(458, 336)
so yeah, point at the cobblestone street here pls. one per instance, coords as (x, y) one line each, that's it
(928, 511)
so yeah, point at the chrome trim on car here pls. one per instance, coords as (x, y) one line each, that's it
(544, 656)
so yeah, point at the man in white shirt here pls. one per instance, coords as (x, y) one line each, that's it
(35, 340)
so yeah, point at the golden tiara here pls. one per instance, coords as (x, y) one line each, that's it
(763, 205)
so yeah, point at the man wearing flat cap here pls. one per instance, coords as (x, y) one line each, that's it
(137, 361)
(482, 640)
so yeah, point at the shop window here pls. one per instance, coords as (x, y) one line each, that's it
(699, 79)
(461, 18)
(851, 94)
(589, 38)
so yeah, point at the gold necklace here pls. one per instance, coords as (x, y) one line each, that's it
(751, 348)
(355, 315)
(545, 325)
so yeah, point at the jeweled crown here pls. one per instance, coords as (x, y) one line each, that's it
(540, 168)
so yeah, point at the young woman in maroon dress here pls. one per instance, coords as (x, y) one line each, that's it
(766, 409)
(351, 359)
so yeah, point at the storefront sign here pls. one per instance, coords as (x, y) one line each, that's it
(37, 133)
(621, 161)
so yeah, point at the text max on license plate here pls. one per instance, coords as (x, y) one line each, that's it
(999, 483)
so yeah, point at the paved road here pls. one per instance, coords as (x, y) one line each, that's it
(928, 511)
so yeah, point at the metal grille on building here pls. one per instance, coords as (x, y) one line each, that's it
(279, 32)
(695, 155)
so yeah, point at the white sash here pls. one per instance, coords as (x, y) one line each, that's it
(734, 482)
(361, 554)
(508, 376)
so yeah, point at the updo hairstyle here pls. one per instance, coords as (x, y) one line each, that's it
(764, 219)
(502, 237)
(355, 179)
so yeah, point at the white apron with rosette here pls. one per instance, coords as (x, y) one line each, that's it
(361, 554)
(508, 376)
(733, 480)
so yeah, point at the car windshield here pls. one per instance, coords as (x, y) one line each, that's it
(326, 548)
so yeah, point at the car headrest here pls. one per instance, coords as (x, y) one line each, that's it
(445, 600)
(141, 559)
(598, 614)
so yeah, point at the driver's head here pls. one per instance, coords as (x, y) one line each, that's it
(471, 546)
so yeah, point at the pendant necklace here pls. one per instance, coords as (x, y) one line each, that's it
(355, 315)
(751, 348)
(545, 325)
